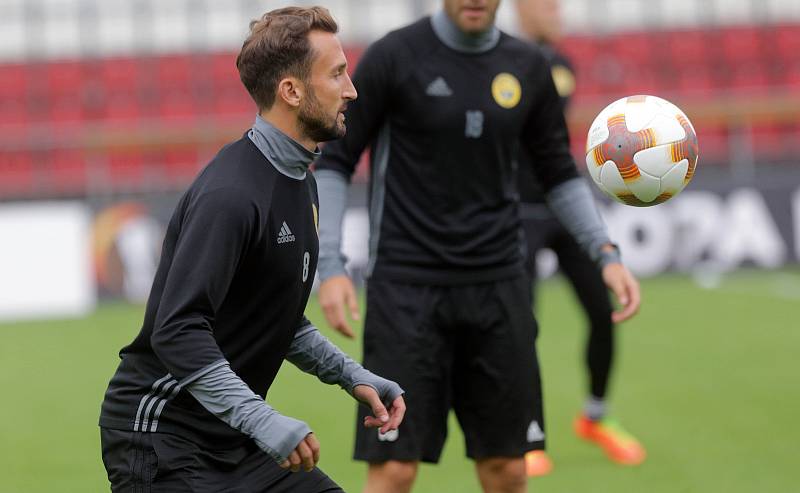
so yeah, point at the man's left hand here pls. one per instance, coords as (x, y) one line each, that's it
(626, 289)
(386, 419)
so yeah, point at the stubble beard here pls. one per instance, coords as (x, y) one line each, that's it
(315, 124)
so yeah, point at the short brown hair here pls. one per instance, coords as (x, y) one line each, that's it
(278, 46)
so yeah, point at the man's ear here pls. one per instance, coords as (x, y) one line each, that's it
(291, 90)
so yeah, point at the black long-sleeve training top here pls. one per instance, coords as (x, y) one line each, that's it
(444, 126)
(235, 274)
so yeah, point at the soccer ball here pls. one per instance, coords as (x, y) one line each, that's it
(641, 150)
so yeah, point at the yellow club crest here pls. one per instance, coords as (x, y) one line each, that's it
(564, 80)
(506, 90)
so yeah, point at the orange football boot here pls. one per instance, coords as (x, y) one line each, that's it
(619, 445)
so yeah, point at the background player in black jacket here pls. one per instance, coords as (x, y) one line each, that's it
(541, 22)
(445, 104)
(185, 410)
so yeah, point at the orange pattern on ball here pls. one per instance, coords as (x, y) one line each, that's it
(621, 145)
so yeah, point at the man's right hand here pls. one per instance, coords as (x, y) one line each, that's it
(335, 294)
(305, 455)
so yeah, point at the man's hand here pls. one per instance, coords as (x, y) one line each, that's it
(336, 293)
(305, 455)
(381, 417)
(626, 289)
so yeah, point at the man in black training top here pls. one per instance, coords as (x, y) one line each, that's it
(445, 104)
(540, 21)
(185, 410)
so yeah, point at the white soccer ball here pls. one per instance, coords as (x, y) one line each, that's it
(641, 150)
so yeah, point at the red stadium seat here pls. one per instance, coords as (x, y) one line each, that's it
(181, 164)
(639, 48)
(66, 170)
(224, 73)
(120, 74)
(175, 73)
(120, 78)
(13, 112)
(65, 77)
(14, 81)
(580, 50)
(585, 85)
(741, 45)
(714, 147)
(175, 105)
(122, 106)
(64, 90)
(767, 141)
(689, 48)
(789, 76)
(786, 52)
(786, 41)
(749, 76)
(125, 168)
(234, 102)
(174, 87)
(228, 95)
(16, 173)
(644, 80)
(696, 78)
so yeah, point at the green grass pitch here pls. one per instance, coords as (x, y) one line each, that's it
(707, 378)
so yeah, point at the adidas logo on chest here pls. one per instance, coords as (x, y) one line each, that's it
(285, 235)
(439, 88)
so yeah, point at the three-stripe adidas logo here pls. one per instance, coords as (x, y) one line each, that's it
(439, 88)
(285, 235)
(152, 403)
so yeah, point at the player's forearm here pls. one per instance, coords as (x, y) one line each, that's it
(313, 353)
(222, 393)
(332, 187)
(573, 204)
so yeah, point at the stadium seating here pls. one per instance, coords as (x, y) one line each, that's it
(48, 109)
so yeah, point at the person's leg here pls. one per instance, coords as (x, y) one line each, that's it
(502, 474)
(391, 477)
(402, 342)
(593, 424)
(496, 386)
(587, 282)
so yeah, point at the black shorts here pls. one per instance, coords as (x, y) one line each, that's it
(161, 462)
(468, 348)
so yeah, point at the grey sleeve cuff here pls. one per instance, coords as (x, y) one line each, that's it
(332, 188)
(222, 393)
(573, 204)
(313, 353)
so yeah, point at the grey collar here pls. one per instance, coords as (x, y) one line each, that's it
(453, 37)
(284, 153)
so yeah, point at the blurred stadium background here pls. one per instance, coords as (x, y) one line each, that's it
(108, 108)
